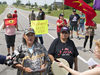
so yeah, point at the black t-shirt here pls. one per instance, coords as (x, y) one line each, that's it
(74, 19)
(66, 50)
(41, 15)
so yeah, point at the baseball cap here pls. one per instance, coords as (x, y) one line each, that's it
(61, 14)
(28, 30)
(15, 11)
(65, 29)
(40, 9)
(74, 10)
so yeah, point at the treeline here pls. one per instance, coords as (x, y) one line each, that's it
(3, 2)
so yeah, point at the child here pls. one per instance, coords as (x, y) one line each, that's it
(15, 16)
(9, 35)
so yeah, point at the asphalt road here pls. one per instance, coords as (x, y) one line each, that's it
(48, 38)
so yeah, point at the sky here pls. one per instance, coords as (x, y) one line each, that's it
(39, 2)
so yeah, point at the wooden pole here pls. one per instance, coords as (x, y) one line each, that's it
(63, 11)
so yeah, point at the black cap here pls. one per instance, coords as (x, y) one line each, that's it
(74, 10)
(65, 29)
(61, 14)
(40, 9)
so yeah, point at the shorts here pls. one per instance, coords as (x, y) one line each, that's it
(81, 25)
(10, 40)
(73, 27)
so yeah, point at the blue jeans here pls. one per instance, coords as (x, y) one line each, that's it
(81, 25)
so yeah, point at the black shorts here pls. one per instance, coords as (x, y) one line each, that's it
(10, 40)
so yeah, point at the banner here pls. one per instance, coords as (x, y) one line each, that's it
(11, 22)
(40, 26)
(96, 4)
(85, 8)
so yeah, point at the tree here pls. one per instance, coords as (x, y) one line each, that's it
(88, 1)
(0, 2)
(45, 6)
(4, 2)
(35, 5)
(18, 2)
(49, 8)
(65, 7)
(32, 6)
(55, 6)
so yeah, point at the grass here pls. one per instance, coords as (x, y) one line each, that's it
(2, 8)
(68, 12)
(24, 8)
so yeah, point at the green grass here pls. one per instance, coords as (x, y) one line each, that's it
(68, 12)
(2, 8)
(24, 8)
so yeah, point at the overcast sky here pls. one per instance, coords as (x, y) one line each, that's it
(39, 2)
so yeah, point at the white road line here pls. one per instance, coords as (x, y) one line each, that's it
(54, 38)
(3, 22)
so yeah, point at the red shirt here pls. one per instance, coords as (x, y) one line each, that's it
(14, 16)
(59, 27)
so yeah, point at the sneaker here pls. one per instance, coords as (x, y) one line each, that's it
(8, 54)
(78, 38)
(71, 37)
(91, 50)
(84, 50)
(13, 53)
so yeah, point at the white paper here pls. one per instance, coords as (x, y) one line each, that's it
(91, 62)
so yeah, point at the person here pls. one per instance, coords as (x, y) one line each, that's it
(60, 23)
(15, 16)
(64, 48)
(32, 16)
(36, 56)
(92, 71)
(82, 20)
(89, 33)
(3, 58)
(73, 22)
(10, 35)
(41, 16)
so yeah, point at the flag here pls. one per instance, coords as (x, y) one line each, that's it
(11, 21)
(74, 3)
(96, 4)
(85, 8)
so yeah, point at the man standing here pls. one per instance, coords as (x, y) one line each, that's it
(41, 16)
(32, 16)
(82, 19)
(74, 21)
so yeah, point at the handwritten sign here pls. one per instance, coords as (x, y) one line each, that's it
(40, 26)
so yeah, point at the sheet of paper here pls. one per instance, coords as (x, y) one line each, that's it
(91, 62)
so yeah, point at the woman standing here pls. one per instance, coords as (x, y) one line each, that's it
(10, 35)
(89, 33)
(60, 23)
(64, 48)
(93, 71)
